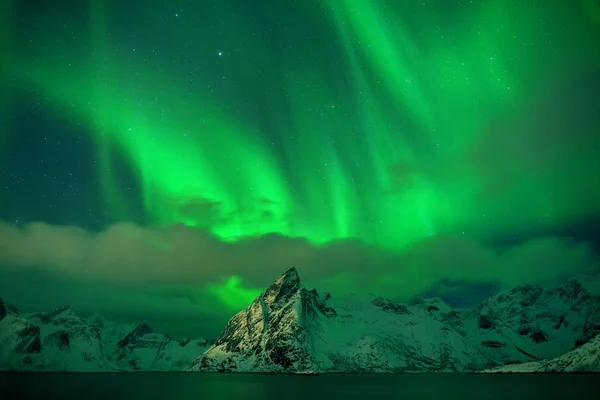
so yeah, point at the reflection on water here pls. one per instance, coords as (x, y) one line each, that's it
(288, 387)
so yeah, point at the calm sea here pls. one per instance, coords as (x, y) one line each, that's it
(287, 387)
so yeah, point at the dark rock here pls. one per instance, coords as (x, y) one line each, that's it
(322, 306)
(28, 360)
(530, 294)
(493, 344)
(538, 336)
(453, 317)
(63, 340)
(560, 322)
(573, 293)
(7, 309)
(513, 362)
(387, 306)
(528, 354)
(133, 336)
(29, 341)
(59, 338)
(485, 322)
(279, 356)
(524, 330)
(326, 310)
(3, 310)
(46, 317)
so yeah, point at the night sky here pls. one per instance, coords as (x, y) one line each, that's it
(165, 160)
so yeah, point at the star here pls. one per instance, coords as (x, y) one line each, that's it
(220, 53)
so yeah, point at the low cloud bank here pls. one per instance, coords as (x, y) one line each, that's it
(171, 272)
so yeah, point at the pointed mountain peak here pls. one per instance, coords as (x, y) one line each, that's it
(132, 337)
(271, 334)
(284, 287)
(291, 275)
(60, 312)
(7, 309)
(573, 291)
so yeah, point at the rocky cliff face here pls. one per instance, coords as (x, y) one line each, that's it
(60, 340)
(275, 333)
(291, 329)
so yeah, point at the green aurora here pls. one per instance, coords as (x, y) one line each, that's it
(377, 120)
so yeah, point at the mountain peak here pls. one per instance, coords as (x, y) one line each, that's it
(573, 291)
(6, 309)
(291, 275)
(283, 288)
(58, 313)
(272, 333)
(132, 337)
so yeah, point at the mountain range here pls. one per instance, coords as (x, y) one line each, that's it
(289, 329)
(60, 340)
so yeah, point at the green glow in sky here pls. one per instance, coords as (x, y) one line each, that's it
(232, 294)
(386, 133)
(376, 150)
(386, 121)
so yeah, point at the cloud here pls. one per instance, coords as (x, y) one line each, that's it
(177, 273)
(131, 255)
(204, 211)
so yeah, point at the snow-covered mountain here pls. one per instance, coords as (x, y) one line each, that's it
(60, 340)
(277, 332)
(291, 329)
(585, 358)
(529, 323)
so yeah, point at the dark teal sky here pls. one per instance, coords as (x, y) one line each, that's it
(166, 161)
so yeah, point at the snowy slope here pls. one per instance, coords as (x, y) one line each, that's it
(291, 329)
(372, 334)
(529, 323)
(60, 340)
(585, 358)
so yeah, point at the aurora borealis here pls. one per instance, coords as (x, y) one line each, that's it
(287, 130)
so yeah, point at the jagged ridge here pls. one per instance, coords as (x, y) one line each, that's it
(60, 340)
(291, 329)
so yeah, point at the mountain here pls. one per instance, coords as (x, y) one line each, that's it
(60, 340)
(529, 323)
(585, 358)
(291, 329)
(277, 332)
(294, 330)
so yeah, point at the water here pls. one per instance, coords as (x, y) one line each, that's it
(288, 387)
